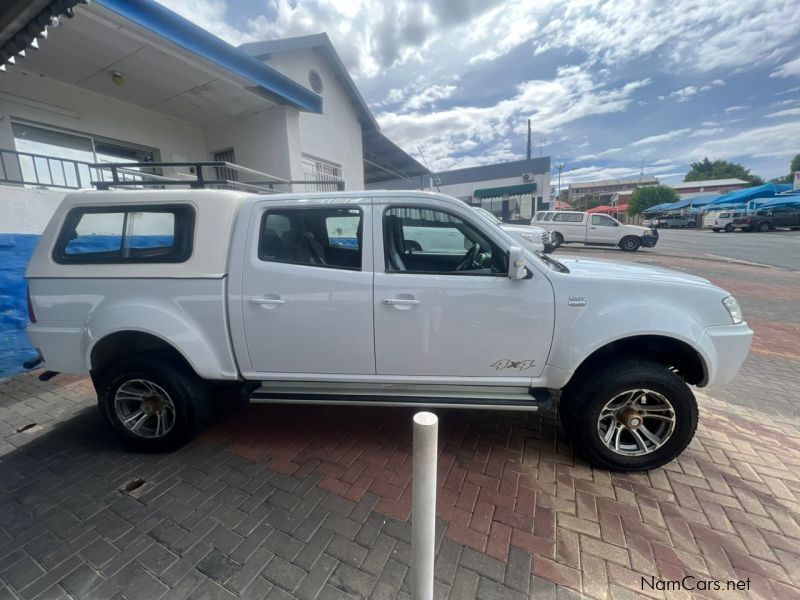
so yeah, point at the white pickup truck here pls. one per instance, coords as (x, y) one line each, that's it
(569, 227)
(172, 300)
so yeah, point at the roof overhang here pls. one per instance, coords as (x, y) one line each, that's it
(385, 161)
(507, 190)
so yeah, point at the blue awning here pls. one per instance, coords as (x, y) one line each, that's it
(768, 190)
(783, 200)
(183, 33)
(657, 207)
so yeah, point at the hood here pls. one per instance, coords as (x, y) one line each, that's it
(638, 228)
(522, 228)
(592, 267)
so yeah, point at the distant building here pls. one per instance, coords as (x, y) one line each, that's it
(709, 186)
(585, 194)
(513, 191)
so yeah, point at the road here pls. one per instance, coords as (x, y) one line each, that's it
(776, 248)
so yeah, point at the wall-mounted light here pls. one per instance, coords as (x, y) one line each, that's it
(117, 77)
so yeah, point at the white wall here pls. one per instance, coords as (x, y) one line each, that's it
(44, 101)
(335, 135)
(27, 210)
(265, 140)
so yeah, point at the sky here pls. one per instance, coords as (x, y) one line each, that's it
(611, 87)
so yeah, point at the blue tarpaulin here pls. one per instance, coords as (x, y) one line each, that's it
(782, 200)
(682, 203)
(768, 190)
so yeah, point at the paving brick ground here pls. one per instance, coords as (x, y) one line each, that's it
(284, 502)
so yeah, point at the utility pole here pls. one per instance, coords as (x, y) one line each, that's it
(558, 199)
(528, 155)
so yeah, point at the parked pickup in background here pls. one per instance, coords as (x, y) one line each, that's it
(175, 300)
(570, 227)
(531, 237)
(769, 219)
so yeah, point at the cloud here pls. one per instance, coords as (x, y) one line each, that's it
(684, 94)
(706, 131)
(771, 141)
(789, 112)
(788, 69)
(663, 137)
(737, 108)
(450, 133)
(429, 96)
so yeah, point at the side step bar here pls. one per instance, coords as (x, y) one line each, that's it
(496, 398)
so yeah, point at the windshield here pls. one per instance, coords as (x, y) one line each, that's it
(487, 215)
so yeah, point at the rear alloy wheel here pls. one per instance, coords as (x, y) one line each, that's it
(153, 404)
(632, 415)
(558, 239)
(728, 228)
(763, 226)
(630, 243)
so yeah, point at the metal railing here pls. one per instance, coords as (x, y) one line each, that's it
(38, 170)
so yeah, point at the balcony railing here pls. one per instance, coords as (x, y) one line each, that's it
(38, 170)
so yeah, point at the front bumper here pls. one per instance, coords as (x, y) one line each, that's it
(649, 240)
(726, 348)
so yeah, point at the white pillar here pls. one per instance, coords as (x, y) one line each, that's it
(423, 508)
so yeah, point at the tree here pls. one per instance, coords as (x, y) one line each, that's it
(645, 197)
(794, 166)
(720, 169)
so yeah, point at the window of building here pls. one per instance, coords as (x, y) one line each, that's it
(324, 237)
(328, 174)
(419, 240)
(130, 234)
(78, 151)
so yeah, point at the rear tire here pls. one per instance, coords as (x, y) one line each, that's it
(630, 243)
(716, 230)
(592, 410)
(763, 227)
(728, 228)
(152, 404)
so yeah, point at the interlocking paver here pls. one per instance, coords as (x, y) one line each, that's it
(314, 502)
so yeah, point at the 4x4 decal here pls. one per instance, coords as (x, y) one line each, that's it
(519, 365)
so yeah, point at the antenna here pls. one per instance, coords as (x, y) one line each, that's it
(427, 166)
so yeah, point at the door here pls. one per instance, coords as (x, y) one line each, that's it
(307, 289)
(602, 230)
(451, 310)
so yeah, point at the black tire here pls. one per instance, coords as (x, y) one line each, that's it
(729, 228)
(583, 399)
(630, 243)
(716, 229)
(747, 228)
(188, 393)
(558, 239)
(763, 226)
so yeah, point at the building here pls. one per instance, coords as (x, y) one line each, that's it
(513, 191)
(709, 186)
(88, 85)
(586, 194)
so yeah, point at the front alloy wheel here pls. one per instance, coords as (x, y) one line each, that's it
(636, 422)
(629, 415)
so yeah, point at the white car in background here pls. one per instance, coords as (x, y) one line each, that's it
(532, 237)
(721, 220)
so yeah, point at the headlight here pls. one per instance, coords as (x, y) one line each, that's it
(526, 236)
(733, 309)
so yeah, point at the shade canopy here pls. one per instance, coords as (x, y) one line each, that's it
(606, 208)
(768, 190)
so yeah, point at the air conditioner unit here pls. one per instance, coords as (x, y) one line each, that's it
(437, 181)
(527, 176)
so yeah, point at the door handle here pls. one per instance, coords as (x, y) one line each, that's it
(400, 301)
(267, 301)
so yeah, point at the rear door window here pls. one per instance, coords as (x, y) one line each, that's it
(126, 234)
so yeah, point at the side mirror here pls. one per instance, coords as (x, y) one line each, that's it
(516, 264)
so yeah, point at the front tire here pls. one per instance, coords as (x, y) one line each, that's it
(153, 404)
(631, 415)
(729, 228)
(558, 239)
(630, 244)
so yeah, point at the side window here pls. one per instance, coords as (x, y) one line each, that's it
(539, 216)
(603, 221)
(574, 217)
(548, 217)
(318, 237)
(421, 240)
(126, 234)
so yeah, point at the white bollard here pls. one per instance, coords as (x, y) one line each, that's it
(423, 507)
